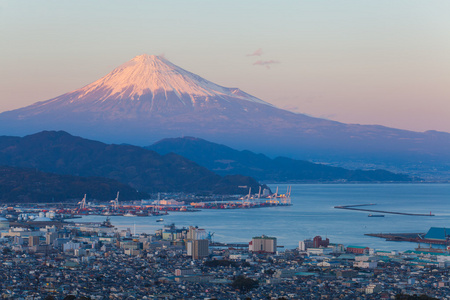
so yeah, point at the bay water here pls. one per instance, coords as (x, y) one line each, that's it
(313, 213)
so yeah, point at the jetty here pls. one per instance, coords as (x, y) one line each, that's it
(356, 207)
(399, 237)
(419, 238)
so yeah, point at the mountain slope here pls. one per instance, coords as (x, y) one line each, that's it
(225, 161)
(18, 185)
(149, 98)
(147, 85)
(62, 153)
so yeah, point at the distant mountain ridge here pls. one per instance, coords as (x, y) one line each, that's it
(145, 170)
(226, 161)
(149, 98)
(19, 185)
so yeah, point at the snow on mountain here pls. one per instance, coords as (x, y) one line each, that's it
(152, 80)
(151, 73)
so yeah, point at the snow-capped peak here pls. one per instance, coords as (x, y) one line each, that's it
(151, 74)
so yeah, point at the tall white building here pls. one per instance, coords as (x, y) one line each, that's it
(196, 233)
(197, 245)
(197, 249)
(263, 244)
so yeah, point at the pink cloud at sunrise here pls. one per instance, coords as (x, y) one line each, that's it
(258, 52)
(265, 63)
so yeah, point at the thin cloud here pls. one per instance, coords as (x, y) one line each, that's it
(266, 63)
(258, 52)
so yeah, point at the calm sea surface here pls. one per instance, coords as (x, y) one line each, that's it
(313, 213)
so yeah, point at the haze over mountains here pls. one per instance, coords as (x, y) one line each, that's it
(149, 98)
(224, 160)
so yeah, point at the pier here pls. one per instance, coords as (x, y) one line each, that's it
(399, 237)
(409, 237)
(353, 207)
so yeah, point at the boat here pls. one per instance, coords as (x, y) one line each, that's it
(160, 220)
(106, 223)
(128, 214)
(370, 215)
(142, 214)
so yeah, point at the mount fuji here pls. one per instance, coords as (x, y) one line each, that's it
(148, 98)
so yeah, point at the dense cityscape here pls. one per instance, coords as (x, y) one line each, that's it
(215, 150)
(49, 259)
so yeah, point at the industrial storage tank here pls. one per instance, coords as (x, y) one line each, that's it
(50, 214)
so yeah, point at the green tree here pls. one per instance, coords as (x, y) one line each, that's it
(244, 284)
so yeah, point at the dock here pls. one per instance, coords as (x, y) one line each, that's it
(354, 207)
(408, 237)
(399, 237)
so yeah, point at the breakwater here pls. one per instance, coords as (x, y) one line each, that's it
(356, 207)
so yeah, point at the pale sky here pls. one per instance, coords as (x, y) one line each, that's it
(368, 62)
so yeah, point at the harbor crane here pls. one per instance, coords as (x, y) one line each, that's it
(115, 202)
(210, 237)
(83, 202)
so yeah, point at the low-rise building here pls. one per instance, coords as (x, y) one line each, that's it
(373, 288)
(358, 249)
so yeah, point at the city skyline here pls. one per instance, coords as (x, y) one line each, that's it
(369, 63)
